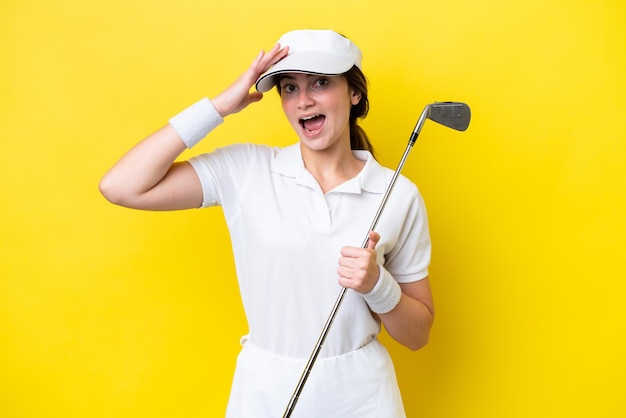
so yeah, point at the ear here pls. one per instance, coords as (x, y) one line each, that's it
(355, 97)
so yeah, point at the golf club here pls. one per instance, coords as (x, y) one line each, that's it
(455, 115)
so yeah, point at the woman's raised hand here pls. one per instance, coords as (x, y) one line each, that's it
(238, 96)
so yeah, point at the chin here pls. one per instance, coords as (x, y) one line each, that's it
(314, 144)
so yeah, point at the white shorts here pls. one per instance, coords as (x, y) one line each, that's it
(359, 384)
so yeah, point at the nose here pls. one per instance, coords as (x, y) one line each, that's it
(304, 99)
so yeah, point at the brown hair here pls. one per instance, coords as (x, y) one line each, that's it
(357, 82)
(358, 138)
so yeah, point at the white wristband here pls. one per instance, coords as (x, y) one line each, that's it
(385, 295)
(195, 122)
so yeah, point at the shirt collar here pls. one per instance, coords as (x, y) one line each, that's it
(288, 162)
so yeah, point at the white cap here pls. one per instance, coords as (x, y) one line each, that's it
(312, 52)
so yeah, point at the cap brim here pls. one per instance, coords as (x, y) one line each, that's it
(310, 62)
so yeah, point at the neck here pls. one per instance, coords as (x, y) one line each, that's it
(331, 167)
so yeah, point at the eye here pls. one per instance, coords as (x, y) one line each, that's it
(321, 82)
(288, 87)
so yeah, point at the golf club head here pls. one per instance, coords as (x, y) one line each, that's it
(455, 115)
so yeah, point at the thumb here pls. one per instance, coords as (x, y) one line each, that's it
(374, 237)
(254, 97)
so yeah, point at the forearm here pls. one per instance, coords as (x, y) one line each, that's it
(406, 309)
(410, 321)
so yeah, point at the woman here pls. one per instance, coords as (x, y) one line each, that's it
(296, 216)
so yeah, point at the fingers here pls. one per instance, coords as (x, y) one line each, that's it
(265, 60)
(273, 56)
(373, 238)
(358, 267)
(238, 96)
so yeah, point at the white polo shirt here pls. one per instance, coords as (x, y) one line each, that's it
(287, 235)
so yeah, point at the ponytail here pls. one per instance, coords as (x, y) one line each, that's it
(358, 137)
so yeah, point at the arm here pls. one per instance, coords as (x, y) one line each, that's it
(147, 177)
(410, 320)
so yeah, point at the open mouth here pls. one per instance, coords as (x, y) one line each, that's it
(312, 123)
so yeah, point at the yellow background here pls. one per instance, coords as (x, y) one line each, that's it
(109, 312)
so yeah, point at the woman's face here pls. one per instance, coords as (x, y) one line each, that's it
(318, 108)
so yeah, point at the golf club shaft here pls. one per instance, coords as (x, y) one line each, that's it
(331, 318)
